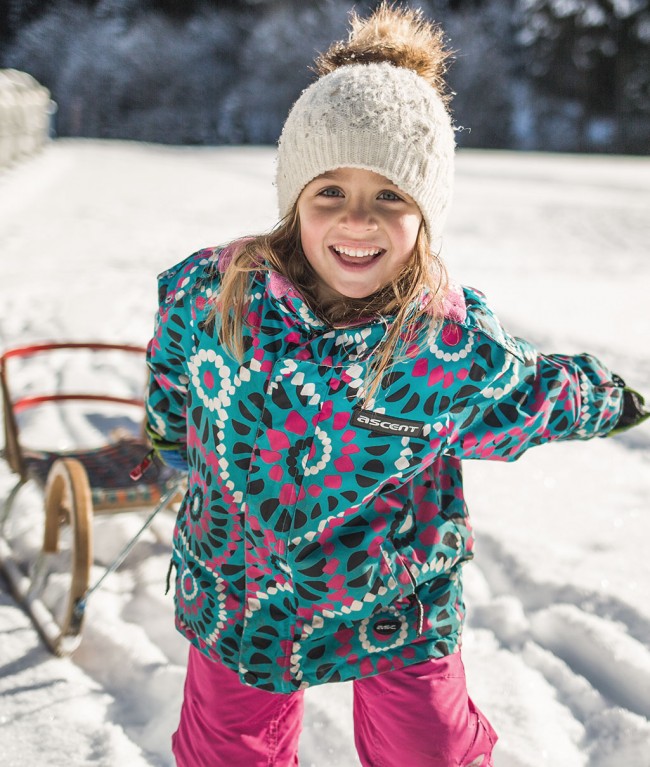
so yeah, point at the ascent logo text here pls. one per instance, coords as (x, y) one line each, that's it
(366, 419)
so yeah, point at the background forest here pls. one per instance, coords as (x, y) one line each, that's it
(563, 75)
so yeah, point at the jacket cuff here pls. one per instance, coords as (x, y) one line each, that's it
(161, 445)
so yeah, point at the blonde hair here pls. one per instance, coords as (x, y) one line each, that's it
(413, 299)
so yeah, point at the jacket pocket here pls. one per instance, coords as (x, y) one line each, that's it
(405, 581)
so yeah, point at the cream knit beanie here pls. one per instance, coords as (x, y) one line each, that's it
(377, 116)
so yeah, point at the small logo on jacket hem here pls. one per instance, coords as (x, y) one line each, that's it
(384, 424)
(387, 626)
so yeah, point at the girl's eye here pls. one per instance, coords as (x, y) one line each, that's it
(391, 196)
(331, 191)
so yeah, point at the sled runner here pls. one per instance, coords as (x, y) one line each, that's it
(53, 582)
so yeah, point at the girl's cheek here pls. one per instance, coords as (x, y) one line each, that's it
(321, 215)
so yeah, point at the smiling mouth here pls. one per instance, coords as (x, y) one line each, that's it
(356, 257)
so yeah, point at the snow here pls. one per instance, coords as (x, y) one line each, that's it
(557, 646)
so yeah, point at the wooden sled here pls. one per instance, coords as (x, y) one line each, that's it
(76, 485)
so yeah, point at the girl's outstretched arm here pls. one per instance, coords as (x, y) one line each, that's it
(501, 396)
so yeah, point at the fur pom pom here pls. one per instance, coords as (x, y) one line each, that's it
(399, 36)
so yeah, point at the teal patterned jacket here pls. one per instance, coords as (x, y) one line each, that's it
(322, 538)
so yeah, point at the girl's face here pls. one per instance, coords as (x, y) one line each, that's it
(357, 229)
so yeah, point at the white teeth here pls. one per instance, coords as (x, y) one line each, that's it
(357, 252)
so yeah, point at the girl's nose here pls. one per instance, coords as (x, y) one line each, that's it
(358, 215)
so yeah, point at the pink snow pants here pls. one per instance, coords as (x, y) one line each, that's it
(419, 716)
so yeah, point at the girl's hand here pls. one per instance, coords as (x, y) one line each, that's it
(634, 411)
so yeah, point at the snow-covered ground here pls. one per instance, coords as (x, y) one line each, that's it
(558, 640)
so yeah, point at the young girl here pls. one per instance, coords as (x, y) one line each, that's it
(320, 385)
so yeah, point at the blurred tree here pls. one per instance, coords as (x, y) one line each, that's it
(14, 14)
(481, 35)
(182, 9)
(587, 61)
(274, 63)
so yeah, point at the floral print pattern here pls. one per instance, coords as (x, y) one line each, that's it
(312, 545)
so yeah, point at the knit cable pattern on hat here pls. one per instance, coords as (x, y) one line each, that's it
(377, 116)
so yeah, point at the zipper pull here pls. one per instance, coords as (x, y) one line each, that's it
(415, 600)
